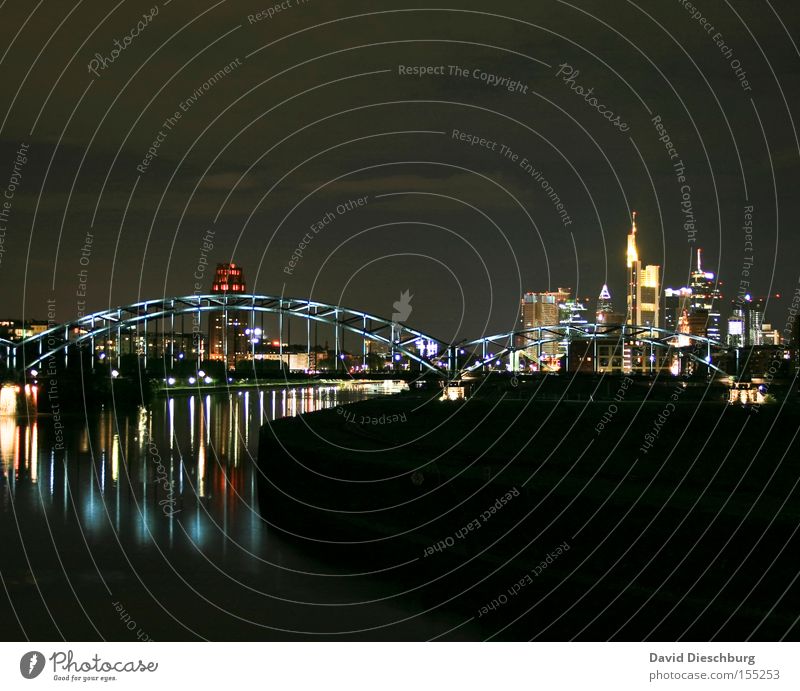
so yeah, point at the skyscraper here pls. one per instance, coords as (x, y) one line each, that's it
(755, 321)
(634, 269)
(650, 296)
(746, 323)
(644, 286)
(705, 301)
(229, 278)
(677, 301)
(573, 312)
(605, 313)
(544, 309)
(604, 305)
(228, 341)
(737, 326)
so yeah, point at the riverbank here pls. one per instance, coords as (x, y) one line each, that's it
(167, 388)
(672, 511)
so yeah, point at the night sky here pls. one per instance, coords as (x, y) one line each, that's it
(314, 111)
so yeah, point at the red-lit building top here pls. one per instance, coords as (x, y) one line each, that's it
(229, 279)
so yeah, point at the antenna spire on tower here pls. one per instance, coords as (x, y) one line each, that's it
(633, 253)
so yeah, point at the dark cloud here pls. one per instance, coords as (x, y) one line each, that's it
(321, 106)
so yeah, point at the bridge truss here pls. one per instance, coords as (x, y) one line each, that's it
(158, 319)
(137, 318)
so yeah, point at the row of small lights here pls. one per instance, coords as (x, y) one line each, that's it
(201, 376)
(171, 380)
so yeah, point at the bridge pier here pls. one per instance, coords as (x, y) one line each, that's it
(452, 362)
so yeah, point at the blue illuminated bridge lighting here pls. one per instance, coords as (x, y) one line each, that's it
(164, 318)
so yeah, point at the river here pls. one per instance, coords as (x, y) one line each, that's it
(146, 525)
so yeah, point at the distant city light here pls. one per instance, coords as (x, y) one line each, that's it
(171, 381)
(114, 373)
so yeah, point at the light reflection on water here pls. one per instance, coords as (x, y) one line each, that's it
(158, 509)
(109, 472)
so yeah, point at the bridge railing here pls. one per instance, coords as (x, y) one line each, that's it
(444, 359)
(399, 338)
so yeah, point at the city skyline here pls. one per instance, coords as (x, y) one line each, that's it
(372, 321)
(78, 175)
(700, 284)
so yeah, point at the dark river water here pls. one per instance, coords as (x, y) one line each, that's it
(146, 525)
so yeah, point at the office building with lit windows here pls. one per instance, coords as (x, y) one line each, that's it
(705, 301)
(228, 339)
(544, 309)
(677, 305)
(644, 286)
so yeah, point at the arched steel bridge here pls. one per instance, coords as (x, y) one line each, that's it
(99, 326)
(649, 341)
(447, 360)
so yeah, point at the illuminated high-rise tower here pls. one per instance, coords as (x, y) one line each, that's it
(604, 305)
(227, 338)
(705, 301)
(229, 278)
(644, 286)
(755, 321)
(737, 326)
(544, 309)
(650, 296)
(677, 302)
(634, 269)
